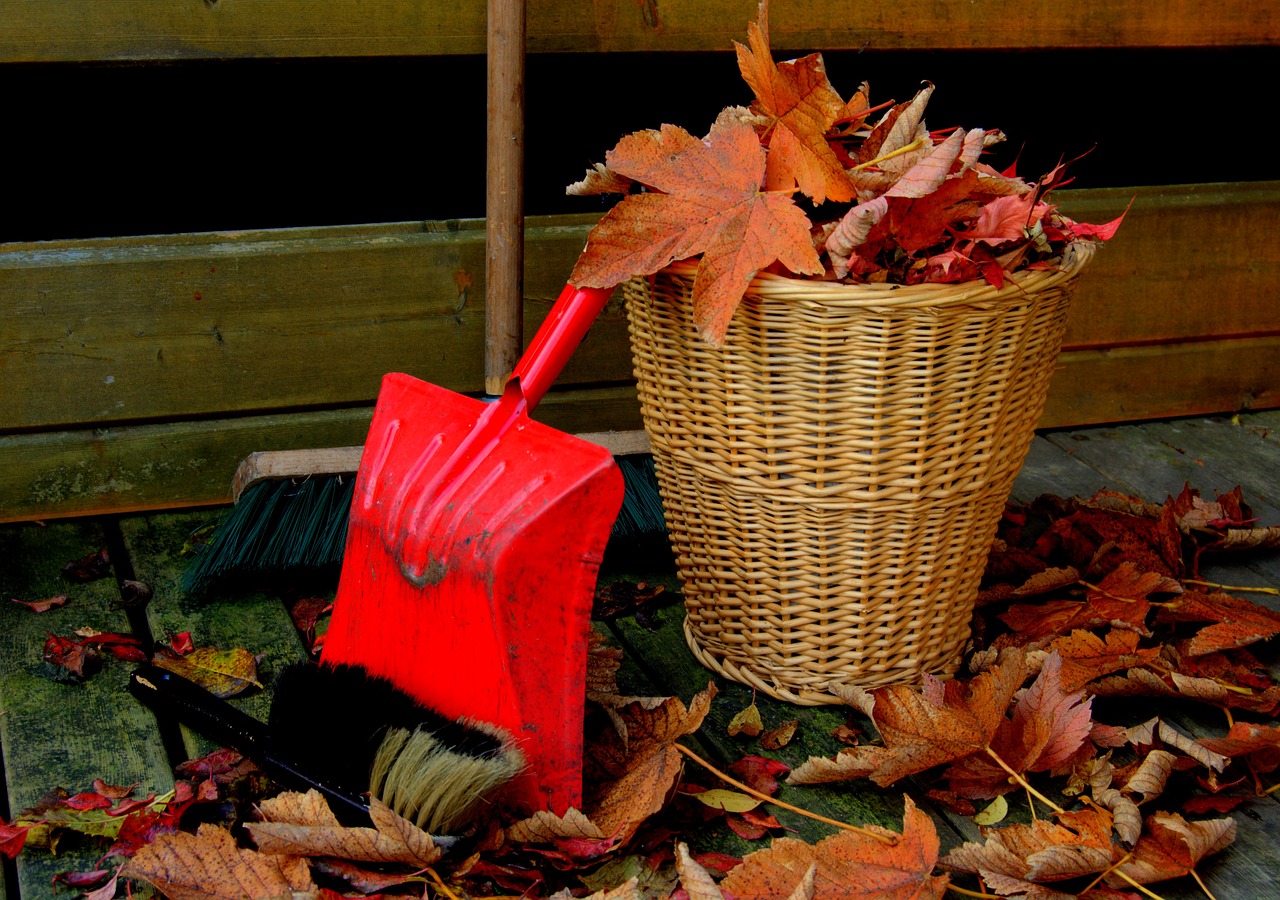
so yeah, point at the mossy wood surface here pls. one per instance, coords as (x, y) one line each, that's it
(58, 734)
(66, 30)
(139, 371)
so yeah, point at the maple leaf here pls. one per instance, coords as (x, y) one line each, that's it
(796, 105)
(922, 729)
(1260, 744)
(77, 657)
(1086, 656)
(1015, 858)
(1239, 622)
(1171, 847)
(707, 201)
(1048, 726)
(303, 825)
(208, 865)
(847, 865)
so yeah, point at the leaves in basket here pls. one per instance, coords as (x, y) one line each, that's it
(707, 201)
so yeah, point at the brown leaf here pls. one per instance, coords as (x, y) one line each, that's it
(39, 606)
(303, 825)
(1086, 656)
(777, 738)
(1171, 846)
(707, 200)
(208, 865)
(1150, 775)
(847, 865)
(545, 827)
(796, 105)
(1259, 743)
(1239, 622)
(223, 673)
(1015, 857)
(1126, 819)
(696, 881)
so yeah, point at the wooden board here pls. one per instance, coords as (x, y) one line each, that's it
(56, 734)
(64, 30)
(169, 466)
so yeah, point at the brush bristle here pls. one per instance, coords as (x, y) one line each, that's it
(354, 728)
(276, 526)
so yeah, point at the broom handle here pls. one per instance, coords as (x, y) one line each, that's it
(561, 332)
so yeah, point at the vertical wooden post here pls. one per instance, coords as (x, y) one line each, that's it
(504, 198)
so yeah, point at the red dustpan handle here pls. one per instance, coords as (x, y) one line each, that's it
(557, 338)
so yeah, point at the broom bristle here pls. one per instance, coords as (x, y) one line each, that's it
(276, 526)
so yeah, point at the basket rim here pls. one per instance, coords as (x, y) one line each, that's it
(768, 286)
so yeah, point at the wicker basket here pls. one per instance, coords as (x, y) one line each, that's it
(833, 476)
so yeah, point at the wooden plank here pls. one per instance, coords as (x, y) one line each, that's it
(73, 30)
(1188, 262)
(229, 619)
(172, 465)
(191, 325)
(56, 734)
(1163, 381)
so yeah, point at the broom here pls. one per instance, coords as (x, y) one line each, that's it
(290, 512)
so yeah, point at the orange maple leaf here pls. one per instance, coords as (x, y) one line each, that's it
(1171, 847)
(1237, 621)
(707, 200)
(847, 865)
(797, 104)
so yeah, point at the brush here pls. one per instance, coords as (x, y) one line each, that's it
(290, 511)
(348, 734)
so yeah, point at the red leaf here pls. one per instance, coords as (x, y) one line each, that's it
(760, 773)
(87, 801)
(88, 568)
(12, 837)
(744, 829)
(182, 643)
(39, 606)
(77, 658)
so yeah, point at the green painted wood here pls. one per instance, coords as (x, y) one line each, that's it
(166, 466)
(255, 621)
(62, 30)
(106, 331)
(65, 735)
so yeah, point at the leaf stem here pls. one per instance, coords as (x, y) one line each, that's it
(1204, 887)
(1107, 871)
(1022, 781)
(444, 889)
(1115, 867)
(1232, 587)
(885, 839)
(1271, 790)
(908, 148)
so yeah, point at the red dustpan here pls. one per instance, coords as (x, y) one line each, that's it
(474, 541)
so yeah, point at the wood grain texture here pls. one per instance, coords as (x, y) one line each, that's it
(80, 30)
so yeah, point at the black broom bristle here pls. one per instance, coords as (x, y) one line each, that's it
(278, 526)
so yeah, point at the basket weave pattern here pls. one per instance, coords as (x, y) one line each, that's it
(832, 477)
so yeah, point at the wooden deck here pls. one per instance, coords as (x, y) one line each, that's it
(57, 734)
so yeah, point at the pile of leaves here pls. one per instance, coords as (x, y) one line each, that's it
(887, 201)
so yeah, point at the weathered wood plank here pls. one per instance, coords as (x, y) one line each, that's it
(65, 30)
(1163, 380)
(1188, 263)
(56, 734)
(168, 466)
(145, 328)
(250, 620)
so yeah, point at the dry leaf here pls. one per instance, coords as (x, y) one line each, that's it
(545, 827)
(1126, 820)
(1171, 846)
(777, 738)
(696, 881)
(208, 865)
(746, 721)
(847, 865)
(303, 825)
(223, 673)
(1014, 858)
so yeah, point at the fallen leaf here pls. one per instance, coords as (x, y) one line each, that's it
(223, 673)
(12, 837)
(1238, 622)
(1171, 847)
(208, 865)
(993, 813)
(1015, 858)
(696, 881)
(39, 606)
(88, 568)
(759, 773)
(777, 738)
(1259, 744)
(729, 801)
(746, 721)
(76, 657)
(848, 865)
(1086, 656)
(303, 825)
(707, 200)
(545, 827)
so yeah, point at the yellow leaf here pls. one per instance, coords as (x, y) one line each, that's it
(746, 722)
(995, 812)
(729, 801)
